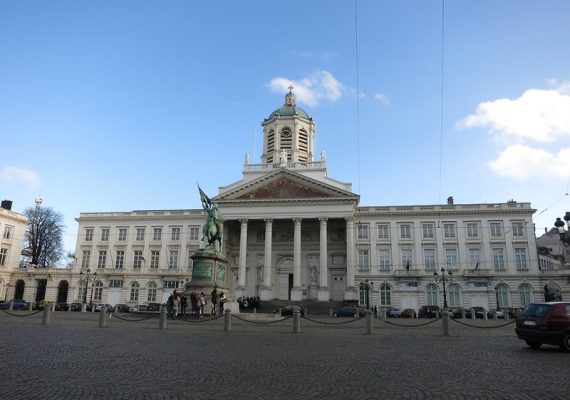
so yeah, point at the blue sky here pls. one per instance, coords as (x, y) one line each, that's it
(123, 105)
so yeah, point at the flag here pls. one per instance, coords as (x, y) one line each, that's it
(206, 202)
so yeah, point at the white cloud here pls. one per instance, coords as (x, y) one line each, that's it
(16, 175)
(319, 86)
(521, 162)
(382, 98)
(537, 115)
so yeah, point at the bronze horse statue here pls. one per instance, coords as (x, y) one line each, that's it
(212, 230)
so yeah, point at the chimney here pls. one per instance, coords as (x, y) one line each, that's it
(450, 201)
(7, 205)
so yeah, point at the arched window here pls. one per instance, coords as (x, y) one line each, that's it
(151, 291)
(385, 295)
(135, 291)
(286, 141)
(62, 291)
(454, 295)
(525, 294)
(431, 295)
(303, 145)
(270, 146)
(98, 295)
(502, 292)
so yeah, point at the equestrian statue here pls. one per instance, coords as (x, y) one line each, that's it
(212, 230)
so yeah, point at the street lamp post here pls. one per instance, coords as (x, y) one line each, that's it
(564, 234)
(443, 279)
(88, 278)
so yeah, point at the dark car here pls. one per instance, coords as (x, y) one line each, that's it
(17, 305)
(153, 307)
(545, 323)
(480, 312)
(408, 313)
(121, 308)
(393, 313)
(428, 312)
(62, 306)
(456, 312)
(345, 312)
(290, 309)
(75, 306)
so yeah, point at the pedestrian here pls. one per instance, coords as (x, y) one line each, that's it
(183, 304)
(202, 303)
(175, 305)
(222, 301)
(170, 304)
(214, 301)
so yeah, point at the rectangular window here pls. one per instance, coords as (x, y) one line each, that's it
(472, 230)
(156, 233)
(102, 259)
(154, 259)
(8, 232)
(194, 233)
(474, 257)
(120, 260)
(384, 259)
(116, 283)
(498, 258)
(520, 258)
(496, 229)
(105, 234)
(428, 231)
(140, 234)
(449, 230)
(383, 231)
(518, 229)
(405, 231)
(175, 233)
(406, 258)
(88, 234)
(85, 258)
(138, 259)
(170, 284)
(362, 231)
(451, 258)
(173, 259)
(151, 294)
(135, 293)
(98, 295)
(363, 258)
(122, 234)
(3, 256)
(190, 261)
(429, 259)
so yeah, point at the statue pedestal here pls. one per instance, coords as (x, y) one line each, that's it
(313, 292)
(209, 273)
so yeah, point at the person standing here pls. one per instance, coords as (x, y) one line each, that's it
(175, 305)
(222, 301)
(214, 301)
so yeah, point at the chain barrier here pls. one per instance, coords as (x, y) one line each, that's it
(261, 323)
(132, 319)
(484, 327)
(22, 315)
(410, 326)
(197, 321)
(333, 323)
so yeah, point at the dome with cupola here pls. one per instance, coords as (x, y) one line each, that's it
(289, 109)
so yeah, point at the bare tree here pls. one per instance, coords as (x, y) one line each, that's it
(43, 243)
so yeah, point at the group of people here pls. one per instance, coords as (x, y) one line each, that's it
(177, 303)
(249, 302)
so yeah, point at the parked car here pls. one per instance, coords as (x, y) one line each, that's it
(456, 312)
(479, 312)
(345, 312)
(121, 308)
(40, 305)
(17, 305)
(75, 306)
(290, 309)
(153, 307)
(62, 306)
(428, 312)
(491, 314)
(393, 313)
(545, 323)
(408, 313)
(99, 307)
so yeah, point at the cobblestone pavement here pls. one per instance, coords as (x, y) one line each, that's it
(72, 358)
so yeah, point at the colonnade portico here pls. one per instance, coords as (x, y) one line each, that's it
(299, 289)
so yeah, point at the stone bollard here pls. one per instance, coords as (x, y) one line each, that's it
(162, 318)
(47, 316)
(485, 316)
(369, 322)
(495, 315)
(331, 312)
(11, 307)
(296, 321)
(254, 311)
(506, 315)
(103, 317)
(83, 307)
(228, 320)
(445, 322)
(30, 306)
(462, 313)
(472, 314)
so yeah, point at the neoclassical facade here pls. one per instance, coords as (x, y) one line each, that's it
(294, 233)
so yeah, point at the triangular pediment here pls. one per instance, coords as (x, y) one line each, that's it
(284, 185)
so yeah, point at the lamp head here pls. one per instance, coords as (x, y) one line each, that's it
(559, 224)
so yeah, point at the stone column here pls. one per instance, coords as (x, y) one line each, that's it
(240, 290)
(323, 261)
(267, 289)
(350, 293)
(296, 292)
